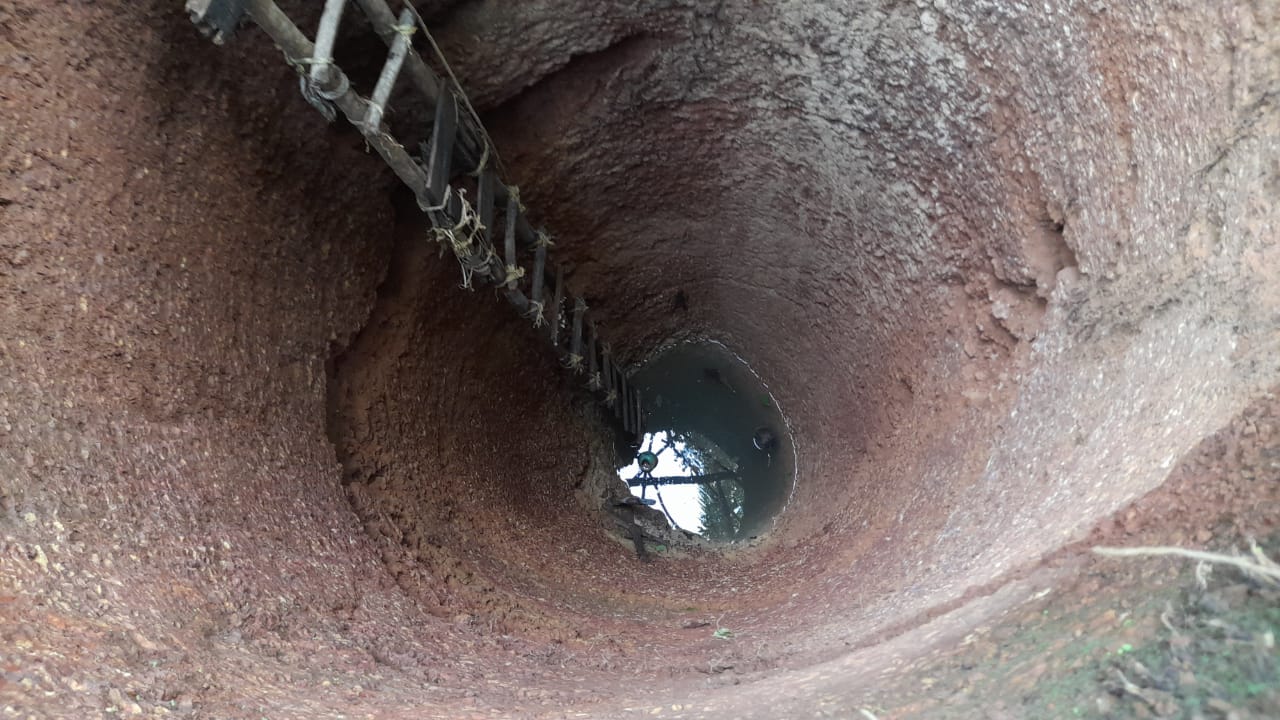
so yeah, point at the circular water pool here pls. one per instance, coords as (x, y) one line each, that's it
(717, 458)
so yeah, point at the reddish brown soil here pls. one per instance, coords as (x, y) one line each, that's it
(259, 455)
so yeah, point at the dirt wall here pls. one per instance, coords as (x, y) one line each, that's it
(259, 455)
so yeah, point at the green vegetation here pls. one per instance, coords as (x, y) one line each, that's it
(1211, 652)
(1146, 643)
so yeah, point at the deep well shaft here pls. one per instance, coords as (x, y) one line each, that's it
(1004, 266)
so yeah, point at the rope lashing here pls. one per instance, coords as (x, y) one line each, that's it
(343, 87)
(461, 238)
(535, 312)
(311, 91)
(544, 240)
(300, 63)
(605, 350)
(611, 398)
(514, 273)
(595, 382)
(479, 261)
(574, 362)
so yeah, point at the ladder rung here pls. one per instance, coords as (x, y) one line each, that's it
(591, 352)
(539, 270)
(484, 209)
(296, 45)
(384, 24)
(390, 71)
(442, 134)
(484, 204)
(524, 234)
(525, 231)
(556, 305)
(618, 380)
(639, 423)
(322, 56)
(509, 249)
(429, 177)
(606, 372)
(575, 347)
(624, 396)
(422, 76)
(518, 301)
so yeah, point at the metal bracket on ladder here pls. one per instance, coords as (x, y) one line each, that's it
(216, 19)
(455, 136)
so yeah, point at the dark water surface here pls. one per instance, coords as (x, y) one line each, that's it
(725, 464)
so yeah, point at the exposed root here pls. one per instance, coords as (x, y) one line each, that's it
(1260, 567)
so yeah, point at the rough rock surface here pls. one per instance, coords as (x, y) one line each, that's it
(1003, 264)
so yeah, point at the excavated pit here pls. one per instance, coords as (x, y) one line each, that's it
(1002, 265)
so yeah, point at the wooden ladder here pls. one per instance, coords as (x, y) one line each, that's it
(457, 141)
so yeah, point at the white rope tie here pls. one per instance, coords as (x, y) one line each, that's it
(535, 312)
(462, 237)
